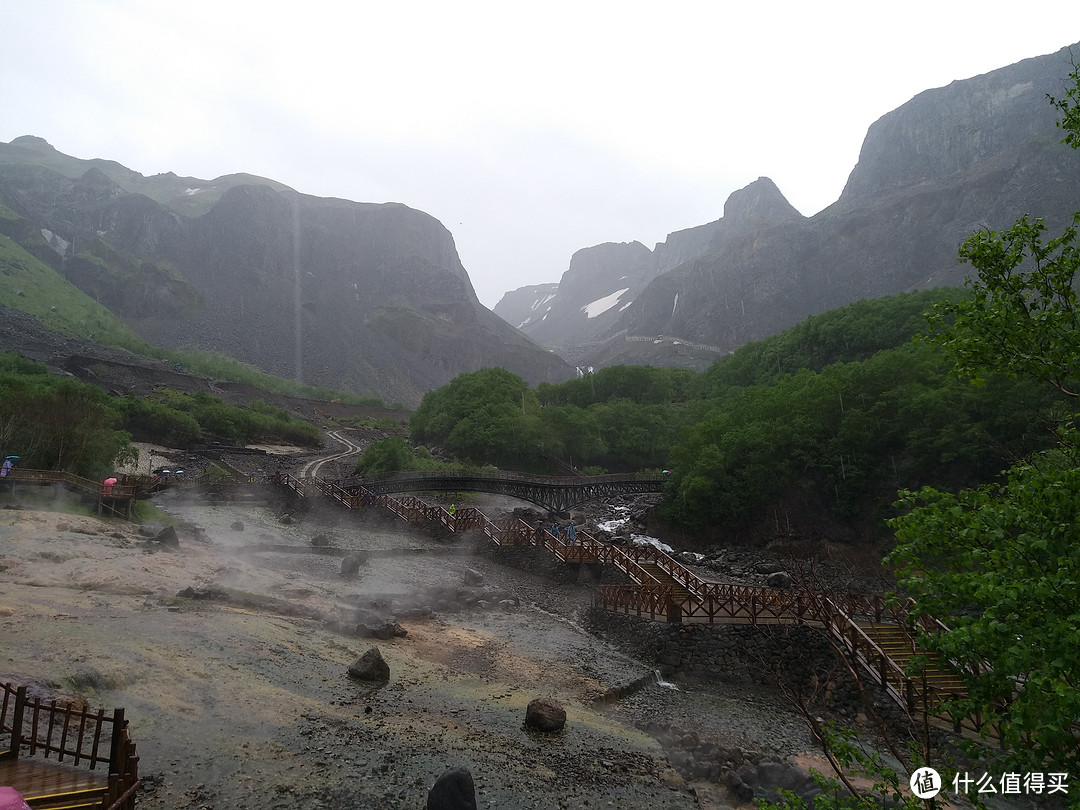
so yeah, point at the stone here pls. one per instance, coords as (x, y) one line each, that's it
(237, 526)
(167, 537)
(454, 790)
(370, 667)
(384, 631)
(545, 714)
(780, 579)
(350, 565)
(472, 577)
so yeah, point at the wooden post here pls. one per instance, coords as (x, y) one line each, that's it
(16, 722)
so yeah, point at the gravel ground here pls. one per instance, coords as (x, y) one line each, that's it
(241, 699)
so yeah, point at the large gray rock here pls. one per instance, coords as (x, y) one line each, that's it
(454, 790)
(167, 538)
(545, 714)
(370, 667)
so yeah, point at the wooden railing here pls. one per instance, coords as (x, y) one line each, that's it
(26, 476)
(56, 738)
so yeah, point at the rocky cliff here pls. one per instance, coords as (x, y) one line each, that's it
(975, 154)
(366, 297)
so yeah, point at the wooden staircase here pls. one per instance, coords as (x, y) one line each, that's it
(930, 687)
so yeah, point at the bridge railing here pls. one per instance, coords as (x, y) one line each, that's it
(653, 601)
(373, 482)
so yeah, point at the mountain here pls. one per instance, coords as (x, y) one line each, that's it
(365, 297)
(975, 154)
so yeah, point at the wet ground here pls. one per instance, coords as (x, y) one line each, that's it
(244, 700)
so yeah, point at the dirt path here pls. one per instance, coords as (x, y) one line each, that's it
(311, 469)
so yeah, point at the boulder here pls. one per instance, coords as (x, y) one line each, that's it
(167, 537)
(545, 714)
(780, 579)
(350, 565)
(383, 631)
(237, 526)
(370, 667)
(454, 790)
(472, 577)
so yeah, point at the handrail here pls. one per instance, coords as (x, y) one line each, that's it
(552, 480)
(32, 476)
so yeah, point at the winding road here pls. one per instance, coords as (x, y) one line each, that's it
(311, 469)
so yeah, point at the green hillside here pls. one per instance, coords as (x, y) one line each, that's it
(35, 288)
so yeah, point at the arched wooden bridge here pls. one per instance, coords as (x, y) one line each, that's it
(556, 494)
(662, 589)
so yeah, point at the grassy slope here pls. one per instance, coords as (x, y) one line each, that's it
(29, 285)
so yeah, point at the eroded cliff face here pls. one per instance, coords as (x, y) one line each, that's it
(368, 297)
(975, 154)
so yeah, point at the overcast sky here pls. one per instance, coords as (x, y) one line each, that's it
(529, 129)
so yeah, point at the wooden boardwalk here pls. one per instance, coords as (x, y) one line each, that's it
(115, 500)
(662, 589)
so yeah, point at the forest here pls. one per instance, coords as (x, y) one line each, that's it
(840, 412)
(57, 423)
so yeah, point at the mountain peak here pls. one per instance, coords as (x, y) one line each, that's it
(759, 200)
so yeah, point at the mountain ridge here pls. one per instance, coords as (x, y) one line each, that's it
(367, 297)
(976, 153)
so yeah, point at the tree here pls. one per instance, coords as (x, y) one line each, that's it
(485, 415)
(1001, 564)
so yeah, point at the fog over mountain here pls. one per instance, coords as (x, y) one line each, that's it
(365, 297)
(975, 154)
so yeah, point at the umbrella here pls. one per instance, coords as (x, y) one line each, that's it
(110, 481)
(11, 458)
(10, 799)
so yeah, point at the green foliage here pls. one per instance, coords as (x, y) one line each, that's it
(849, 333)
(999, 564)
(487, 415)
(189, 415)
(1023, 316)
(148, 420)
(638, 384)
(847, 435)
(1069, 107)
(58, 424)
(386, 456)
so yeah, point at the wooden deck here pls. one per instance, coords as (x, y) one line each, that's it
(47, 784)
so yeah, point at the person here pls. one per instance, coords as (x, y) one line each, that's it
(554, 529)
(453, 510)
(571, 534)
(5, 468)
